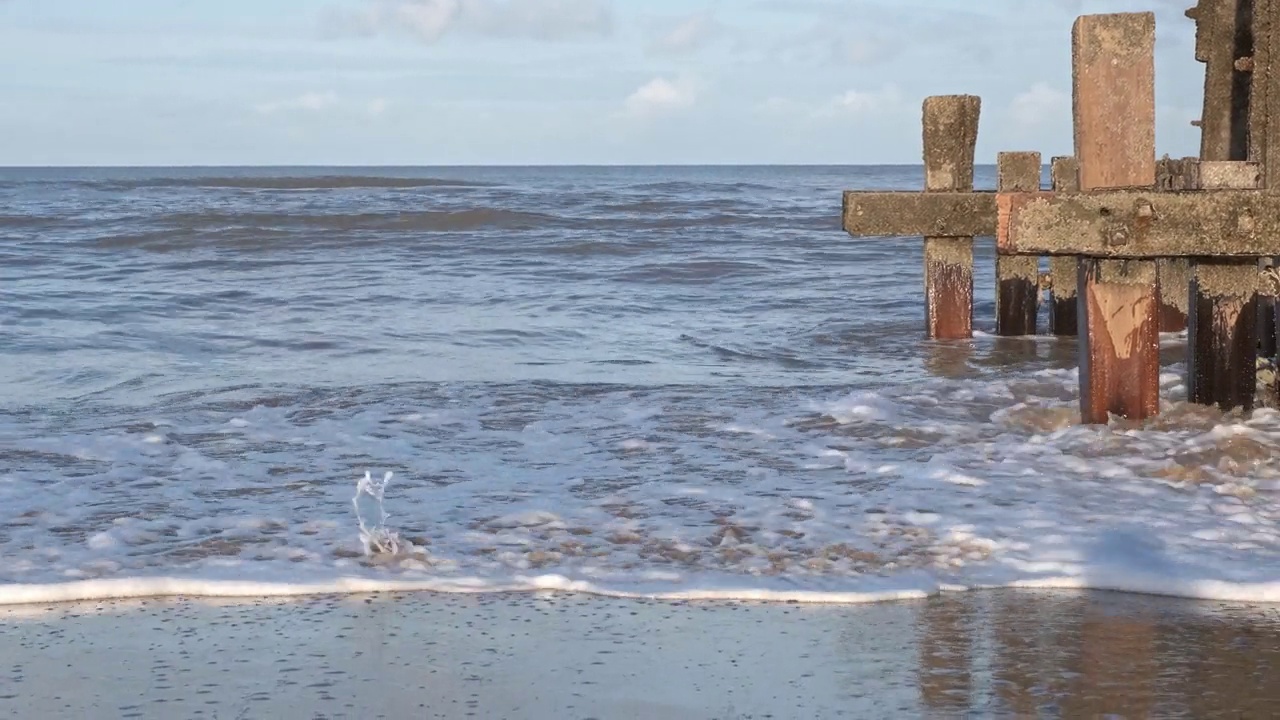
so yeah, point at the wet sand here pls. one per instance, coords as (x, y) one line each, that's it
(991, 654)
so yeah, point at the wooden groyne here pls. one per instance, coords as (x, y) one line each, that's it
(1135, 245)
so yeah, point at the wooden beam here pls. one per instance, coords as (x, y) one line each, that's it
(1113, 104)
(928, 214)
(1227, 175)
(950, 139)
(1063, 270)
(1140, 224)
(1017, 277)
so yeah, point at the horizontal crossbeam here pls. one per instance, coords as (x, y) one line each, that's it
(916, 214)
(1139, 224)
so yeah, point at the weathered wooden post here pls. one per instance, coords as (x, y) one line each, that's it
(1064, 271)
(1225, 328)
(1017, 276)
(1113, 215)
(1175, 273)
(947, 214)
(1264, 135)
(1222, 332)
(950, 141)
(1113, 90)
(1220, 35)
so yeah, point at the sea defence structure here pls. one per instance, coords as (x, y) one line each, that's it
(1136, 245)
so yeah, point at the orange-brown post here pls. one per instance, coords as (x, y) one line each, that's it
(950, 139)
(1113, 99)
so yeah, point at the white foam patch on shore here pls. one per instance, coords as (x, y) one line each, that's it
(863, 496)
(1135, 580)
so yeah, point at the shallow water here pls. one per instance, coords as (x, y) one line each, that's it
(675, 382)
(1002, 654)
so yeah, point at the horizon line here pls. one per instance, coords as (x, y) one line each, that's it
(469, 165)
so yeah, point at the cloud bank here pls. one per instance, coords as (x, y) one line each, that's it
(431, 20)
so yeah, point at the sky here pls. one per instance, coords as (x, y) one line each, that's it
(520, 82)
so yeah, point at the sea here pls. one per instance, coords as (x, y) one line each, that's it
(657, 382)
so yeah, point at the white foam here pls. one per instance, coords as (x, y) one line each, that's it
(874, 495)
(122, 589)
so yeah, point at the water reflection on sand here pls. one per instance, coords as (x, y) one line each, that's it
(1070, 655)
(993, 654)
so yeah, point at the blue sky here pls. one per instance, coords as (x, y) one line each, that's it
(433, 82)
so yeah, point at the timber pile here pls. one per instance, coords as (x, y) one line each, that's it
(1136, 246)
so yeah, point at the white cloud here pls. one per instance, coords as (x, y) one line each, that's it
(862, 103)
(1039, 105)
(660, 96)
(314, 103)
(687, 35)
(848, 105)
(307, 102)
(430, 20)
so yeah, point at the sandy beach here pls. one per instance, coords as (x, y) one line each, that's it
(992, 654)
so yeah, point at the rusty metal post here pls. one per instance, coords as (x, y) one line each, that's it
(1017, 276)
(950, 140)
(1063, 270)
(1113, 91)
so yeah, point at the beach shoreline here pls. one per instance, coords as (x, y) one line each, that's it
(545, 655)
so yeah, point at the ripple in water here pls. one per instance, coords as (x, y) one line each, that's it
(630, 381)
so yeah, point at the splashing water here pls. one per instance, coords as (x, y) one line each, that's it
(378, 539)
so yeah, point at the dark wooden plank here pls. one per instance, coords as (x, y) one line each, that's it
(1222, 335)
(927, 214)
(950, 140)
(1137, 224)
(1063, 269)
(1017, 276)
(1113, 101)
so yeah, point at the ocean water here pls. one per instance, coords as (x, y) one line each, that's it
(660, 382)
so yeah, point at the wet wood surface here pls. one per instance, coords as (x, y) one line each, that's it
(1113, 86)
(950, 140)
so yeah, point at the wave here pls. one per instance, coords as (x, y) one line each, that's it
(1130, 580)
(184, 230)
(322, 182)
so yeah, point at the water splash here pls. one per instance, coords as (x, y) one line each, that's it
(376, 537)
